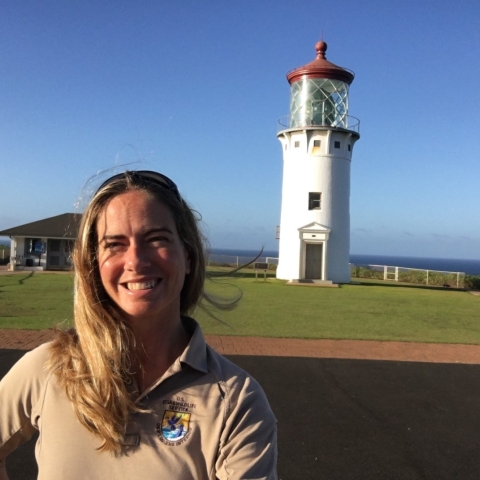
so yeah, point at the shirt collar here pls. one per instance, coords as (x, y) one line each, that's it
(195, 355)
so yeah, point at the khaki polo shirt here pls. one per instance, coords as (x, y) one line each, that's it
(209, 419)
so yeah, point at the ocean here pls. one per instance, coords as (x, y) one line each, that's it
(470, 267)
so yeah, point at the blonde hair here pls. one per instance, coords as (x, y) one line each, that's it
(93, 362)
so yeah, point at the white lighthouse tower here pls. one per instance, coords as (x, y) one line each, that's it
(317, 141)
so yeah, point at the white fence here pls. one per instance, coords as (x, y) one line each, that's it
(377, 272)
(409, 275)
(237, 261)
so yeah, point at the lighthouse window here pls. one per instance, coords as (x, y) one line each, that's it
(336, 144)
(297, 144)
(314, 201)
(316, 146)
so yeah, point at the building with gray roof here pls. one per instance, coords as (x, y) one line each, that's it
(45, 244)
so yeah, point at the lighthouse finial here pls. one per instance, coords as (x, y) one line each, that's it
(321, 48)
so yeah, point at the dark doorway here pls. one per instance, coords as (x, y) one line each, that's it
(313, 260)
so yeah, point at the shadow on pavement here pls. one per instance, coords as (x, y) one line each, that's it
(356, 419)
(362, 419)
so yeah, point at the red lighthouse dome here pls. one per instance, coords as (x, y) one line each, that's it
(321, 68)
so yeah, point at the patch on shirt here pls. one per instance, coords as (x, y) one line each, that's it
(175, 427)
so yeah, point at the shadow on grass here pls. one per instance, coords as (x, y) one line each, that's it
(20, 281)
(363, 283)
(30, 275)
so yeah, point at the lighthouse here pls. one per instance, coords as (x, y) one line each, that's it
(317, 141)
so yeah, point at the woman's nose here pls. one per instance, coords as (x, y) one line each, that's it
(136, 258)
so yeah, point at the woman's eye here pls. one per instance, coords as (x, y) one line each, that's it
(112, 245)
(159, 239)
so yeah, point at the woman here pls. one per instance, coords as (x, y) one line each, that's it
(134, 391)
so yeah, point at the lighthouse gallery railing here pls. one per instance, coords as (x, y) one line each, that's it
(348, 123)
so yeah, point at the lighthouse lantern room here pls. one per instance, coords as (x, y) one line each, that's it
(317, 141)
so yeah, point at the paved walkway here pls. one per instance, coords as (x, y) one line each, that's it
(284, 347)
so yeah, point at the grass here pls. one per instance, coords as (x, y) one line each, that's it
(367, 311)
(35, 301)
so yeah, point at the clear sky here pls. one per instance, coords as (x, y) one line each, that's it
(194, 90)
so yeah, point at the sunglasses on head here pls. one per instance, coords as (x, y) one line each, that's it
(148, 176)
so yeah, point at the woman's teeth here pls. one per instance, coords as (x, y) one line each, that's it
(141, 285)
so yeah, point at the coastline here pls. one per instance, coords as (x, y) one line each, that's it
(467, 266)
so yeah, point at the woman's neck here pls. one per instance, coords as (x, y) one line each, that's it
(158, 346)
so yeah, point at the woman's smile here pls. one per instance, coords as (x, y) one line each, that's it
(138, 285)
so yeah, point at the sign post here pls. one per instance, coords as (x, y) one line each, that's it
(261, 266)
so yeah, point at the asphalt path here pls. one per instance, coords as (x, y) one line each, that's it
(356, 419)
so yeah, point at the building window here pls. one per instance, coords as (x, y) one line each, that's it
(286, 146)
(314, 201)
(32, 246)
(336, 144)
(316, 146)
(297, 144)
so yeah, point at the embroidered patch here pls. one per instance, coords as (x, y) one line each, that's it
(175, 427)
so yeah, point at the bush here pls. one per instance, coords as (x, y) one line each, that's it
(413, 276)
(365, 272)
(442, 279)
(472, 282)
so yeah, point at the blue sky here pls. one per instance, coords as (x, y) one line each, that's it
(195, 89)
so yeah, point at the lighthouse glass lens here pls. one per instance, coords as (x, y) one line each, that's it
(319, 101)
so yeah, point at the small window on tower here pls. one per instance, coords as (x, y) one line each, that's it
(349, 148)
(286, 146)
(314, 201)
(297, 144)
(316, 146)
(336, 144)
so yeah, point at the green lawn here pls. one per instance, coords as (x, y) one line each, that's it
(366, 311)
(35, 301)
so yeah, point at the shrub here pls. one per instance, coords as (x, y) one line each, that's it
(366, 272)
(472, 282)
(413, 276)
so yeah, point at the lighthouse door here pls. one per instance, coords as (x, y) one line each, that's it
(313, 260)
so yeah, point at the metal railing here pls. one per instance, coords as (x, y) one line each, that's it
(385, 273)
(346, 123)
(415, 276)
(237, 261)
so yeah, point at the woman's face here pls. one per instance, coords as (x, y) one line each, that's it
(142, 260)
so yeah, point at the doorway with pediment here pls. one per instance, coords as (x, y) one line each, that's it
(313, 255)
